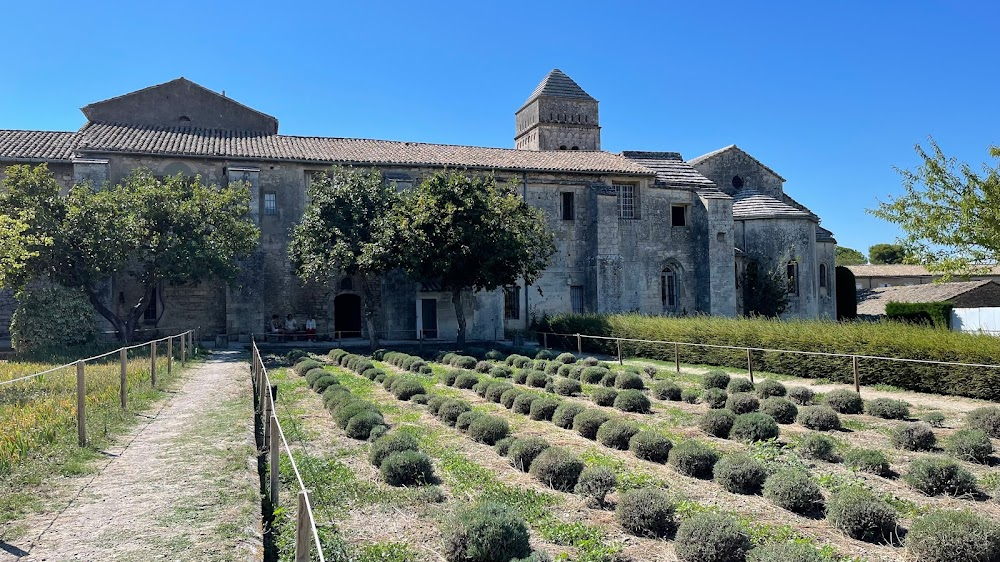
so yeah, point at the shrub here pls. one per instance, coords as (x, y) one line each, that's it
(314, 374)
(781, 409)
(740, 473)
(407, 388)
(373, 373)
(347, 409)
(494, 355)
(536, 379)
(632, 401)
(407, 468)
(593, 375)
(566, 358)
(483, 367)
(715, 379)
(389, 444)
(934, 419)
(539, 365)
(495, 390)
(542, 409)
(861, 515)
(913, 437)
(753, 427)
(523, 451)
(519, 362)
(487, 532)
(306, 365)
(590, 361)
(650, 446)
(446, 358)
(361, 425)
(985, 419)
(557, 468)
(603, 396)
(717, 423)
(609, 379)
(845, 401)
(450, 410)
(435, 402)
(887, 408)
(971, 445)
(463, 362)
(666, 390)
(508, 396)
(488, 429)
(465, 419)
(502, 447)
(545, 355)
(377, 431)
(627, 380)
(616, 433)
(693, 458)
(587, 422)
(324, 382)
(594, 484)
(567, 387)
(481, 386)
(388, 381)
(466, 380)
(742, 403)
(817, 446)
(563, 370)
(449, 377)
(564, 414)
(522, 403)
(691, 395)
(714, 397)
(820, 418)
(801, 395)
(334, 395)
(501, 372)
(785, 552)
(739, 385)
(768, 388)
(794, 490)
(646, 512)
(872, 461)
(947, 536)
(711, 537)
(937, 476)
(552, 368)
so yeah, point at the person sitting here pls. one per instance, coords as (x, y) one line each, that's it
(291, 326)
(311, 329)
(274, 326)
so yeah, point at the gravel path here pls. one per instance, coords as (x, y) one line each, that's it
(180, 487)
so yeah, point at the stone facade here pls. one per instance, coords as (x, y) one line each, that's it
(639, 232)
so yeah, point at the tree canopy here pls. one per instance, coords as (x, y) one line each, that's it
(469, 233)
(950, 214)
(882, 254)
(345, 229)
(765, 291)
(149, 230)
(850, 256)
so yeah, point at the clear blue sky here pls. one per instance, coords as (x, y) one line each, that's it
(831, 95)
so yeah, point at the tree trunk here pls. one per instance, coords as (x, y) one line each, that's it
(456, 299)
(125, 327)
(371, 310)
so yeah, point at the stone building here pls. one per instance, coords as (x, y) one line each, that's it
(637, 231)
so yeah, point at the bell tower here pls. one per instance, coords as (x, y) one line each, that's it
(558, 115)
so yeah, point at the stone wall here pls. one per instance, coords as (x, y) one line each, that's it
(723, 167)
(774, 242)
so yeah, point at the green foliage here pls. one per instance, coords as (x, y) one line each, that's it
(692, 395)
(632, 401)
(537, 379)
(646, 512)
(501, 371)
(845, 401)
(488, 429)
(487, 532)
(389, 444)
(451, 409)
(861, 515)
(502, 447)
(565, 413)
(628, 380)
(786, 552)
(848, 256)
(508, 397)
(933, 419)
(404, 389)
(407, 468)
(972, 445)
(820, 418)
(794, 490)
(587, 422)
(847, 294)
(361, 425)
(542, 409)
(936, 314)
(867, 460)
(494, 391)
(716, 379)
(616, 433)
(524, 450)
(936, 476)
(986, 419)
(739, 385)
(717, 423)
(465, 419)
(742, 403)
(882, 254)
(666, 390)
(557, 468)
(768, 388)
(887, 408)
(51, 317)
(595, 483)
(913, 437)
(715, 398)
(754, 426)
(566, 358)
(347, 409)
(781, 409)
(567, 387)
(711, 537)
(740, 474)
(435, 403)
(947, 536)
(765, 290)
(817, 446)
(603, 396)
(693, 458)
(650, 446)
(948, 213)
(801, 395)
(522, 402)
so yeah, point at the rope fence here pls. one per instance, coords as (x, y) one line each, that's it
(306, 534)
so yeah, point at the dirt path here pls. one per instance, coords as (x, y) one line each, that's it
(181, 487)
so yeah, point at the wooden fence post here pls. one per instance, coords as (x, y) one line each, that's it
(677, 357)
(750, 364)
(152, 362)
(170, 354)
(579, 344)
(81, 404)
(620, 360)
(266, 415)
(123, 359)
(857, 383)
(545, 340)
(184, 337)
(303, 540)
(275, 448)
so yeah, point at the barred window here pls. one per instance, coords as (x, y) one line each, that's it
(668, 288)
(270, 203)
(567, 206)
(626, 200)
(512, 302)
(792, 272)
(576, 296)
(823, 281)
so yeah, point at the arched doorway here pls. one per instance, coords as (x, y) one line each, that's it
(347, 316)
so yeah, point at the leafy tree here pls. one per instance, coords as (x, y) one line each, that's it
(148, 230)
(469, 234)
(887, 253)
(765, 291)
(849, 256)
(847, 294)
(343, 229)
(949, 213)
(16, 245)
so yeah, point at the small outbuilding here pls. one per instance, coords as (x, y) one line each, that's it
(961, 295)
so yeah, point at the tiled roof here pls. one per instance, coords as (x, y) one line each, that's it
(111, 138)
(872, 302)
(37, 146)
(710, 155)
(824, 235)
(750, 204)
(672, 171)
(557, 84)
(901, 270)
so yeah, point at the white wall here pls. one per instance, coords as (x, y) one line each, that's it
(977, 320)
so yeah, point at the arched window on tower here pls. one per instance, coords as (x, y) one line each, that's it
(668, 288)
(824, 281)
(347, 284)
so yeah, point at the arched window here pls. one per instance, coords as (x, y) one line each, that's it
(347, 284)
(575, 148)
(562, 147)
(822, 276)
(668, 287)
(792, 274)
(737, 182)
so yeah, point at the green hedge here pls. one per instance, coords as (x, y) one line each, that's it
(886, 339)
(936, 314)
